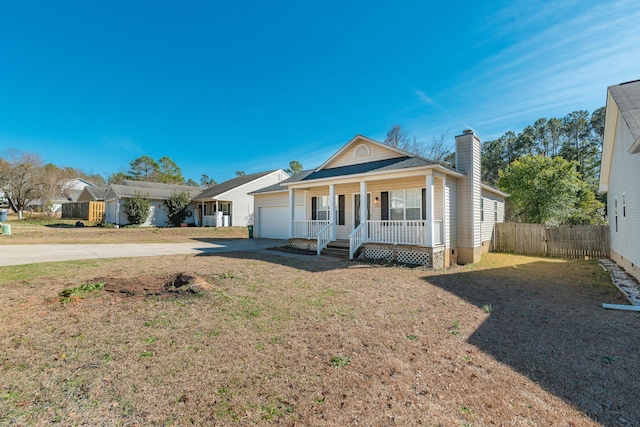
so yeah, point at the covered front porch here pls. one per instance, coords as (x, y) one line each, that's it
(214, 213)
(405, 219)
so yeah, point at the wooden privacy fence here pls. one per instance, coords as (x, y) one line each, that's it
(566, 241)
(89, 211)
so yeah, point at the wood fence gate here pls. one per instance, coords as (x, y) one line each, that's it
(89, 211)
(565, 241)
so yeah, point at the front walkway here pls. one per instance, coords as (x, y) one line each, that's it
(29, 254)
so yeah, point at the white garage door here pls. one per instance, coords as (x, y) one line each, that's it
(273, 222)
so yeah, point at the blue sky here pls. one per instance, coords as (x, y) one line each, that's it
(249, 85)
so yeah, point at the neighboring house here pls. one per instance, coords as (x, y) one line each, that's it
(383, 202)
(117, 195)
(620, 172)
(4, 203)
(92, 194)
(230, 203)
(71, 190)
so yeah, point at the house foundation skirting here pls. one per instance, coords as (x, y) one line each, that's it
(304, 244)
(405, 254)
(628, 266)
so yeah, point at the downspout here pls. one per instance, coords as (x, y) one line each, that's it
(117, 212)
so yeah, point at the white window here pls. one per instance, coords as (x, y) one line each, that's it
(405, 205)
(624, 205)
(481, 208)
(323, 208)
(615, 207)
(495, 211)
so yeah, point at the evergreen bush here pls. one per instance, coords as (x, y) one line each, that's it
(177, 206)
(137, 208)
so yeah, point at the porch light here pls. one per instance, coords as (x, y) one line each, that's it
(376, 202)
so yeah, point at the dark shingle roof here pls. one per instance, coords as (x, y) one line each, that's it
(153, 192)
(278, 187)
(158, 185)
(230, 185)
(377, 166)
(627, 97)
(97, 193)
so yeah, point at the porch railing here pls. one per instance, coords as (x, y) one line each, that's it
(324, 237)
(303, 229)
(357, 238)
(398, 232)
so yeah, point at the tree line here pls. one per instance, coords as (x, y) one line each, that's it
(25, 178)
(550, 169)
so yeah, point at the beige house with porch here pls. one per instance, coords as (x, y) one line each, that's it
(382, 202)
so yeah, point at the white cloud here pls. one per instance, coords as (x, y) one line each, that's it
(424, 98)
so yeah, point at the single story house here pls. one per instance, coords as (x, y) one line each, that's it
(116, 196)
(230, 203)
(619, 173)
(383, 202)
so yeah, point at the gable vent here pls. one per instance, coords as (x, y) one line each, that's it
(361, 151)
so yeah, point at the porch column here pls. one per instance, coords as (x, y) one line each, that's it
(292, 210)
(429, 214)
(332, 209)
(444, 211)
(364, 206)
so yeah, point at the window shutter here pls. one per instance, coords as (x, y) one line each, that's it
(341, 209)
(314, 208)
(384, 204)
(424, 204)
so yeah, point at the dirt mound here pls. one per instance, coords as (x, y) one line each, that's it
(143, 286)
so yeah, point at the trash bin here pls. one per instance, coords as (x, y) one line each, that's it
(250, 227)
(3, 215)
(6, 229)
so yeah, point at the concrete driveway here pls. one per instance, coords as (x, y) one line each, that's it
(29, 254)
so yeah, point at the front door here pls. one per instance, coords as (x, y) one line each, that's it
(356, 209)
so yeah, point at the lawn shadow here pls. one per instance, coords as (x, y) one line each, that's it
(303, 262)
(546, 322)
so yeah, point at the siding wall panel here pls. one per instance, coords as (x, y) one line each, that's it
(623, 179)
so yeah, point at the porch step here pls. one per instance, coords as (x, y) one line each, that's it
(337, 249)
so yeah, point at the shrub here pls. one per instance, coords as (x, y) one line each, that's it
(137, 208)
(177, 206)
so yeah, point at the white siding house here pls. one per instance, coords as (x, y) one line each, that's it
(233, 199)
(383, 202)
(620, 173)
(116, 197)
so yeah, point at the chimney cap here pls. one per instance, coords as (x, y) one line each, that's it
(467, 131)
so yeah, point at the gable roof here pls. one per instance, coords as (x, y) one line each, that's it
(375, 166)
(97, 193)
(158, 185)
(361, 138)
(279, 187)
(153, 192)
(216, 190)
(623, 100)
(627, 98)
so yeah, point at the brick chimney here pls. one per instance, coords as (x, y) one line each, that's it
(468, 198)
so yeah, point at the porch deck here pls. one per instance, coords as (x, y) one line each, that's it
(411, 242)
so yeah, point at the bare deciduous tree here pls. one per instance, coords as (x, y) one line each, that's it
(20, 178)
(54, 182)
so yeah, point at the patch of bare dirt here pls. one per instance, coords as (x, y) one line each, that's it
(144, 286)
